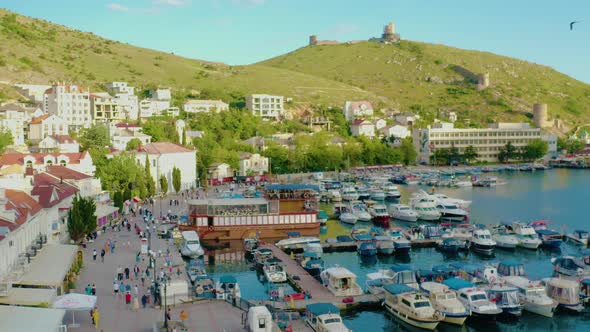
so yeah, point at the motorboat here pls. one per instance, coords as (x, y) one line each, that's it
(384, 244)
(402, 274)
(261, 255)
(532, 295)
(274, 272)
(367, 249)
(462, 232)
(403, 212)
(314, 247)
(482, 241)
(363, 193)
(250, 245)
(565, 292)
(527, 237)
(408, 305)
(426, 209)
(445, 301)
(579, 237)
(349, 194)
(334, 196)
(348, 217)
(511, 268)
(340, 281)
(400, 243)
(464, 204)
(360, 212)
(191, 245)
(506, 298)
(376, 281)
(323, 217)
(196, 269)
(474, 299)
(324, 317)
(361, 235)
(549, 238)
(571, 266)
(377, 195)
(451, 212)
(475, 273)
(431, 232)
(449, 245)
(380, 215)
(296, 241)
(227, 288)
(312, 263)
(504, 239)
(391, 192)
(490, 181)
(205, 287)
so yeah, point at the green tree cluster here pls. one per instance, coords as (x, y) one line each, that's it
(163, 184)
(176, 179)
(95, 137)
(124, 175)
(133, 144)
(5, 138)
(571, 145)
(81, 218)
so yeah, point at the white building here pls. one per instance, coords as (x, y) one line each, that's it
(16, 129)
(205, 106)
(126, 99)
(220, 171)
(30, 162)
(380, 123)
(105, 108)
(406, 119)
(122, 133)
(71, 103)
(15, 118)
(155, 107)
(265, 106)
(161, 93)
(252, 164)
(46, 125)
(59, 143)
(486, 141)
(394, 131)
(362, 127)
(357, 109)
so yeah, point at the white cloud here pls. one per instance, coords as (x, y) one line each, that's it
(115, 7)
(173, 3)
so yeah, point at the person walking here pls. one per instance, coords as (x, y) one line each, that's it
(88, 290)
(93, 290)
(135, 303)
(95, 317)
(119, 273)
(136, 290)
(183, 317)
(128, 299)
(126, 272)
(102, 253)
(94, 253)
(115, 288)
(122, 288)
(143, 300)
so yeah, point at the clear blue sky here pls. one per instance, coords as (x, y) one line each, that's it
(247, 31)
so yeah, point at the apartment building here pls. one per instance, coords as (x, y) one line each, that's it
(265, 106)
(205, 106)
(46, 125)
(69, 102)
(105, 108)
(486, 141)
(127, 101)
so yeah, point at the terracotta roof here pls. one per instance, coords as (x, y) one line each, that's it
(22, 204)
(163, 148)
(127, 125)
(245, 155)
(62, 172)
(357, 104)
(39, 119)
(63, 139)
(19, 158)
(359, 122)
(51, 190)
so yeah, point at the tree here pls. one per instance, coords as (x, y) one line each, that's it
(454, 156)
(133, 144)
(123, 173)
(81, 218)
(163, 184)
(5, 138)
(96, 136)
(183, 142)
(408, 151)
(176, 179)
(440, 157)
(535, 149)
(571, 145)
(150, 183)
(118, 200)
(470, 154)
(507, 153)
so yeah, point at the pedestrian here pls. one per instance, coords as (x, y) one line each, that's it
(113, 247)
(168, 317)
(102, 253)
(88, 290)
(106, 247)
(94, 253)
(135, 303)
(137, 257)
(143, 280)
(120, 272)
(95, 317)
(126, 273)
(115, 287)
(128, 288)
(143, 300)
(122, 288)
(136, 290)
(183, 316)
(128, 299)
(93, 290)
(136, 271)
(92, 315)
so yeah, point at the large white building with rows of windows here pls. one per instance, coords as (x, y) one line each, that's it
(265, 106)
(486, 141)
(71, 103)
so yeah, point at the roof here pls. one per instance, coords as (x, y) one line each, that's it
(50, 266)
(51, 190)
(340, 272)
(401, 267)
(164, 147)
(292, 186)
(205, 101)
(322, 308)
(456, 283)
(228, 201)
(29, 296)
(63, 139)
(39, 119)
(23, 206)
(359, 122)
(15, 318)
(396, 289)
(65, 173)
(127, 125)
(103, 210)
(18, 158)
(358, 104)
(563, 283)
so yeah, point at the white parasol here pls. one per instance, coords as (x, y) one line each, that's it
(75, 302)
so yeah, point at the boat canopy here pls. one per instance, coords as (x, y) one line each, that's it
(312, 254)
(443, 269)
(344, 238)
(456, 283)
(292, 186)
(340, 272)
(227, 279)
(466, 267)
(272, 260)
(264, 251)
(396, 289)
(401, 267)
(318, 309)
(546, 232)
(364, 237)
(313, 262)
(586, 252)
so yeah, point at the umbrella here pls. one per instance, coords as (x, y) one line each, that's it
(75, 302)
(136, 199)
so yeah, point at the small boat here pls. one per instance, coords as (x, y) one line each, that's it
(512, 268)
(506, 298)
(367, 249)
(196, 269)
(391, 192)
(565, 292)
(380, 215)
(400, 243)
(490, 181)
(426, 209)
(273, 271)
(403, 212)
(340, 281)
(296, 241)
(377, 195)
(205, 287)
(227, 289)
(361, 234)
(348, 218)
(360, 212)
(474, 299)
(261, 255)
(402, 274)
(571, 266)
(527, 237)
(312, 263)
(533, 295)
(431, 232)
(376, 281)
(191, 245)
(250, 245)
(504, 239)
(334, 196)
(451, 212)
(411, 307)
(324, 317)
(349, 194)
(449, 245)
(464, 204)
(384, 244)
(445, 301)
(579, 237)
(481, 241)
(323, 217)
(551, 239)
(363, 194)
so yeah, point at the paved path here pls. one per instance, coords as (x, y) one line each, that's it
(114, 314)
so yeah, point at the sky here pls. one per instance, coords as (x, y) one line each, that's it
(248, 31)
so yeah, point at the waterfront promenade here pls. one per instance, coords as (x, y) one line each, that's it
(115, 315)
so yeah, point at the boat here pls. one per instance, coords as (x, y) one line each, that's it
(349, 194)
(533, 295)
(377, 195)
(402, 274)
(490, 181)
(228, 289)
(449, 211)
(196, 269)
(504, 239)
(426, 209)
(431, 232)
(273, 271)
(391, 192)
(376, 281)
(565, 292)
(481, 241)
(312, 263)
(400, 243)
(340, 281)
(314, 247)
(579, 237)
(571, 266)
(296, 241)
(384, 244)
(408, 305)
(261, 255)
(474, 299)
(449, 245)
(360, 212)
(205, 287)
(324, 317)
(363, 193)
(445, 301)
(348, 218)
(506, 298)
(367, 249)
(403, 212)
(250, 245)
(464, 204)
(380, 215)
(361, 234)
(549, 238)
(512, 268)
(259, 319)
(323, 217)
(334, 196)
(284, 208)
(527, 237)
(191, 245)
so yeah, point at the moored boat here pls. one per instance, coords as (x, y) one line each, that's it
(533, 295)
(579, 237)
(409, 306)
(474, 299)
(445, 301)
(325, 317)
(403, 212)
(400, 243)
(380, 215)
(273, 271)
(565, 292)
(384, 244)
(340, 281)
(482, 241)
(228, 289)
(367, 249)
(506, 298)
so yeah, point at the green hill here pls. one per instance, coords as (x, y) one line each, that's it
(408, 76)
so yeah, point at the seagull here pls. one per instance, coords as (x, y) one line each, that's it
(572, 24)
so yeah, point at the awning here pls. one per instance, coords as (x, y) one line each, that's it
(29, 297)
(105, 210)
(75, 301)
(29, 319)
(50, 267)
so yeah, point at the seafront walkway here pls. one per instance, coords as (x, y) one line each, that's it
(114, 314)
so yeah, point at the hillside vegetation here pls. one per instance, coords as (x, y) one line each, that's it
(410, 76)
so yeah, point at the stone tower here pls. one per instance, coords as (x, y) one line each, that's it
(313, 40)
(540, 116)
(483, 81)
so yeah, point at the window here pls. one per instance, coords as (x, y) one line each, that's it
(261, 323)
(62, 162)
(29, 164)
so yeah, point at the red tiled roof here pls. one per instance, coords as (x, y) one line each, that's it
(22, 204)
(39, 119)
(127, 125)
(46, 186)
(18, 158)
(164, 147)
(359, 122)
(62, 172)
(62, 139)
(357, 105)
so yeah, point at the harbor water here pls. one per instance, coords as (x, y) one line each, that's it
(559, 195)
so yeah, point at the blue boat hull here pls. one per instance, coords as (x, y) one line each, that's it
(552, 243)
(402, 249)
(451, 248)
(367, 252)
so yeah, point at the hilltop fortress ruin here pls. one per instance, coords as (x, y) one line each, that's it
(389, 36)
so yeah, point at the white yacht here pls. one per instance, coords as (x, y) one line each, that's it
(403, 212)
(460, 202)
(445, 301)
(297, 242)
(527, 237)
(506, 298)
(191, 245)
(565, 292)
(340, 281)
(411, 307)
(274, 272)
(325, 317)
(348, 217)
(450, 211)
(391, 192)
(505, 239)
(482, 241)
(349, 194)
(334, 196)
(426, 209)
(533, 295)
(579, 237)
(361, 212)
(376, 281)
(461, 232)
(377, 194)
(474, 299)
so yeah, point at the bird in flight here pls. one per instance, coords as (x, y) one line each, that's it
(572, 24)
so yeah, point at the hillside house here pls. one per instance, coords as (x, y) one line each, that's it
(362, 127)
(357, 109)
(252, 164)
(59, 143)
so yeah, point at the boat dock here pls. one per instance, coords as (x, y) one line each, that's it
(352, 246)
(303, 281)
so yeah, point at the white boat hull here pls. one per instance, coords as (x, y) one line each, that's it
(529, 244)
(405, 217)
(423, 324)
(540, 309)
(429, 217)
(457, 320)
(583, 242)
